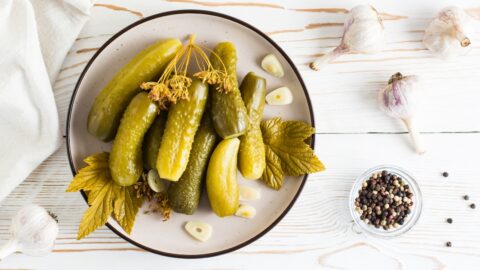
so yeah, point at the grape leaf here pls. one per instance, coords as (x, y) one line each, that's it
(286, 150)
(105, 197)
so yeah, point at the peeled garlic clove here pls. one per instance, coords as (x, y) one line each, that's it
(246, 211)
(155, 182)
(249, 194)
(272, 66)
(448, 35)
(199, 230)
(280, 96)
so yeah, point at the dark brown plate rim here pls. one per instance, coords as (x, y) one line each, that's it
(209, 13)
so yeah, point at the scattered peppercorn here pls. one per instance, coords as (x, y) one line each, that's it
(472, 206)
(449, 220)
(384, 200)
(445, 174)
(448, 244)
(466, 198)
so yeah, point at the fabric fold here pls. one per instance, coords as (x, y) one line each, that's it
(36, 36)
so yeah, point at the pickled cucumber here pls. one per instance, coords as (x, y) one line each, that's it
(184, 195)
(152, 140)
(251, 155)
(109, 105)
(125, 162)
(182, 124)
(229, 114)
(222, 186)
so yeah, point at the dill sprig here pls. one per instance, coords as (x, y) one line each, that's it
(157, 202)
(173, 85)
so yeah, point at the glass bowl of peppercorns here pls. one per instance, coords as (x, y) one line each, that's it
(385, 201)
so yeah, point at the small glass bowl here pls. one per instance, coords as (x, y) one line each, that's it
(410, 220)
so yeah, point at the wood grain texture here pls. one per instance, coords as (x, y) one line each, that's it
(352, 136)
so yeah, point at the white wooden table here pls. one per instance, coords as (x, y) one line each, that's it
(352, 136)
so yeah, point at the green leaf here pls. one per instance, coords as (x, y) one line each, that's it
(286, 150)
(97, 214)
(104, 196)
(297, 158)
(93, 176)
(297, 130)
(273, 173)
(126, 207)
(271, 129)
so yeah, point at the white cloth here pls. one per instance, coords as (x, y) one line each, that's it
(35, 38)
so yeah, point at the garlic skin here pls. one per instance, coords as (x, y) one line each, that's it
(448, 35)
(399, 99)
(33, 232)
(363, 33)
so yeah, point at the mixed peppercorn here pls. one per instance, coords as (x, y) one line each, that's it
(384, 201)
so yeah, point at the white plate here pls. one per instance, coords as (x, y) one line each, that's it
(150, 232)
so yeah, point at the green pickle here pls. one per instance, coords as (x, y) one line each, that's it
(222, 186)
(251, 155)
(229, 114)
(106, 112)
(152, 140)
(182, 124)
(126, 165)
(184, 195)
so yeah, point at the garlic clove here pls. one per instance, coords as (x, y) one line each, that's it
(33, 232)
(249, 193)
(246, 211)
(279, 96)
(272, 66)
(199, 230)
(363, 32)
(448, 35)
(155, 182)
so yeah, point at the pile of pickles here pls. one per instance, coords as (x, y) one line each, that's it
(200, 140)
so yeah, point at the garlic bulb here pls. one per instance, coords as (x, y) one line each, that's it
(363, 33)
(33, 232)
(448, 34)
(399, 100)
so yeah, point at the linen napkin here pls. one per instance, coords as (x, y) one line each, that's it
(35, 38)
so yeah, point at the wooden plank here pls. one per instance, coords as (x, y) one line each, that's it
(318, 230)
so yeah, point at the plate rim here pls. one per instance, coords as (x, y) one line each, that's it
(209, 13)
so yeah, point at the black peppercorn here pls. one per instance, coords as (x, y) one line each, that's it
(384, 200)
(445, 174)
(466, 198)
(472, 206)
(448, 244)
(449, 220)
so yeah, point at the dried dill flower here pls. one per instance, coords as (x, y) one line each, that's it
(157, 202)
(174, 83)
